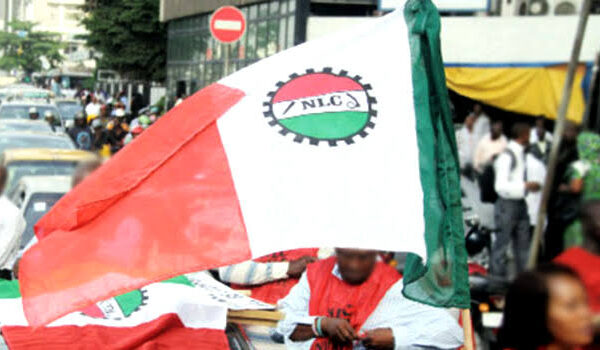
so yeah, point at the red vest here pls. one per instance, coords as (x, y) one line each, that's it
(273, 291)
(332, 297)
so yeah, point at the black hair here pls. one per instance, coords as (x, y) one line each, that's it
(519, 129)
(525, 323)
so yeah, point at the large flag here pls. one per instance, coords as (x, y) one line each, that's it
(345, 141)
(171, 315)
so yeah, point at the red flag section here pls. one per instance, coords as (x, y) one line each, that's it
(116, 231)
(166, 332)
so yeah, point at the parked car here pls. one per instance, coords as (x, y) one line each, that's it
(23, 139)
(25, 125)
(29, 162)
(20, 110)
(35, 195)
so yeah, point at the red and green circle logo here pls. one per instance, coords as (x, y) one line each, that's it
(119, 307)
(322, 107)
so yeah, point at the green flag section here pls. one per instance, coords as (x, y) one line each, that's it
(441, 280)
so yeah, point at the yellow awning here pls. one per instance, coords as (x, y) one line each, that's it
(529, 90)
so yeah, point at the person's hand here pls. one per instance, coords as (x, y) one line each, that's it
(339, 330)
(380, 338)
(532, 186)
(298, 266)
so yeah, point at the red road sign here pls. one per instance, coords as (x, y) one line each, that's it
(227, 24)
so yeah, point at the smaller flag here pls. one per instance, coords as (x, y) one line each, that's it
(171, 315)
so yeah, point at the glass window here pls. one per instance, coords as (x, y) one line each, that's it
(283, 7)
(252, 12)
(251, 43)
(274, 8)
(261, 40)
(291, 29)
(291, 6)
(282, 33)
(263, 10)
(273, 37)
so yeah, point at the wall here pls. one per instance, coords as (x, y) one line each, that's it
(171, 9)
(493, 40)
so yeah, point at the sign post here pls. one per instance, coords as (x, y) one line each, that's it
(227, 25)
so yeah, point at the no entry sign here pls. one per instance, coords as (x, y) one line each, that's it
(227, 24)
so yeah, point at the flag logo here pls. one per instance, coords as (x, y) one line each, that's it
(322, 106)
(119, 307)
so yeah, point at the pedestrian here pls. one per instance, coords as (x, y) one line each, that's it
(92, 109)
(34, 114)
(465, 141)
(56, 89)
(540, 134)
(481, 125)
(563, 204)
(510, 209)
(80, 133)
(12, 225)
(586, 258)
(100, 140)
(50, 119)
(354, 301)
(584, 177)
(492, 144)
(546, 308)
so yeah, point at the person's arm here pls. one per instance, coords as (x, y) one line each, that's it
(10, 238)
(410, 324)
(253, 273)
(505, 186)
(478, 160)
(294, 327)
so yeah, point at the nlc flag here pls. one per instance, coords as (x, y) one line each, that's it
(345, 141)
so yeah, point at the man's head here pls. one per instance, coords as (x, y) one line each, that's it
(80, 119)
(570, 133)
(3, 176)
(33, 113)
(83, 170)
(356, 265)
(590, 221)
(520, 133)
(477, 109)
(470, 122)
(496, 129)
(49, 117)
(540, 128)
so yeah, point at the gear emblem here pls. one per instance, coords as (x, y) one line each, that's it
(119, 307)
(322, 106)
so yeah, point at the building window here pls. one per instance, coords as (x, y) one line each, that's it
(195, 57)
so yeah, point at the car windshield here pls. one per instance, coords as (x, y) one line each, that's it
(69, 109)
(8, 125)
(24, 140)
(38, 205)
(22, 111)
(16, 170)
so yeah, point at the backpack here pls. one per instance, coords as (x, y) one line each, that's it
(487, 179)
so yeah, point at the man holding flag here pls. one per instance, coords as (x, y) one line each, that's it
(345, 141)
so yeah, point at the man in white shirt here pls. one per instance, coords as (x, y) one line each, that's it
(540, 140)
(353, 301)
(510, 210)
(482, 122)
(492, 144)
(12, 226)
(465, 140)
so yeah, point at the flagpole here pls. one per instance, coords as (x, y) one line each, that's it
(467, 325)
(558, 131)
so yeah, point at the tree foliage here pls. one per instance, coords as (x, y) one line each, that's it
(129, 36)
(24, 48)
